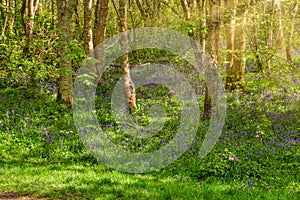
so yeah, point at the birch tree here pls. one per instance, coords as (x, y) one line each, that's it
(101, 15)
(128, 85)
(65, 9)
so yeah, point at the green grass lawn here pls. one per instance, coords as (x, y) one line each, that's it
(95, 181)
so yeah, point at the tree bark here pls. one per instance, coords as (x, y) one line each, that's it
(236, 45)
(28, 22)
(65, 10)
(141, 9)
(32, 7)
(99, 34)
(88, 27)
(290, 33)
(4, 25)
(203, 14)
(230, 35)
(212, 47)
(186, 9)
(279, 25)
(128, 85)
(239, 62)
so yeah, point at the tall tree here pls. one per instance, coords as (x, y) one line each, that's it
(101, 15)
(128, 85)
(236, 44)
(212, 48)
(203, 13)
(290, 31)
(230, 34)
(28, 22)
(88, 27)
(65, 10)
(254, 37)
(186, 9)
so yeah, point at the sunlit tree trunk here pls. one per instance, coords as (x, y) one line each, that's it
(128, 85)
(290, 32)
(7, 17)
(28, 21)
(141, 9)
(88, 42)
(65, 10)
(32, 8)
(4, 25)
(212, 48)
(279, 25)
(255, 36)
(230, 35)
(203, 14)
(101, 15)
(236, 44)
(88, 27)
(186, 9)
(239, 59)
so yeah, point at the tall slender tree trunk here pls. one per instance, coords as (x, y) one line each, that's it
(203, 14)
(230, 35)
(186, 9)
(279, 25)
(52, 14)
(99, 34)
(11, 16)
(32, 8)
(236, 45)
(65, 10)
(88, 27)
(77, 13)
(5, 21)
(128, 85)
(290, 33)
(212, 47)
(28, 22)
(239, 60)
(141, 9)
(255, 41)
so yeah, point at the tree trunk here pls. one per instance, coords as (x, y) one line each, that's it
(141, 9)
(4, 25)
(99, 34)
(32, 7)
(11, 17)
(290, 33)
(236, 45)
(128, 85)
(77, 13)
(230, 35)
(239, 60)
(52, 14)
(65, 10)
(88, 27)
(279, 26)
(255, 42)
(186, 9)
(203, 14)
(28, 22)
(212, 47)
(22, 12)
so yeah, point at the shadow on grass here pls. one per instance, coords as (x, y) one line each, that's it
(95, 181)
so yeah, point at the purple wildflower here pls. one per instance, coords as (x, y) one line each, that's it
(250, 183)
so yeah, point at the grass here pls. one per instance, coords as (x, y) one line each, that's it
(87, 181)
